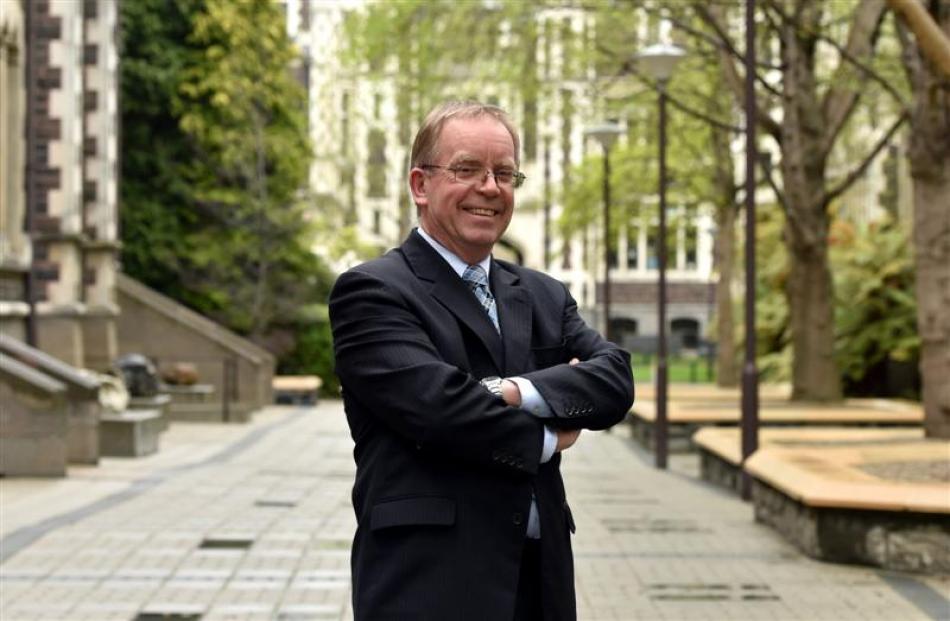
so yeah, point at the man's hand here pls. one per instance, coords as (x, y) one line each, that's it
(511, 393)
(566, 438)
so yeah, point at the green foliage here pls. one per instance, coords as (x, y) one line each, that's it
(875, 308)
(215, 159)
(876, 311)
(772, 329)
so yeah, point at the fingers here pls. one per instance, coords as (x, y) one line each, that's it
(566, 438)
(574, 361)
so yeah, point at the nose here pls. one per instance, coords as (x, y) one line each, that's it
(489, 188)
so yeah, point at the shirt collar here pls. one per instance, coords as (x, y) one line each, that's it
(451, 258)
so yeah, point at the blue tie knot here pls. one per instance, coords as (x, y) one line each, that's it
(475, 275)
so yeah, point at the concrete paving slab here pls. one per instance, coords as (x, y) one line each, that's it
(649, 545)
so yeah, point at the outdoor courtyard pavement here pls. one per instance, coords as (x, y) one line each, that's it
(254, 522)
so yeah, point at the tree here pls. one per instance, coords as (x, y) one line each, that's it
(215, 160)
(245, 115)
(815, 107)
(929, 155)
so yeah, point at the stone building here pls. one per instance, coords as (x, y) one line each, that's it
(59, 221)
(59, 165)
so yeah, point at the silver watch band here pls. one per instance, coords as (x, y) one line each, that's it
(493, 385)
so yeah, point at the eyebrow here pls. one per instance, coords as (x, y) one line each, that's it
(468, 158)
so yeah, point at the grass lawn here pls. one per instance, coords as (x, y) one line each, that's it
(686, 370)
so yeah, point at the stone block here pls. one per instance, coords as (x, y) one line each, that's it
(898, 541)
(159, 403)
(33, 426)
(83, 432)
(133, 433)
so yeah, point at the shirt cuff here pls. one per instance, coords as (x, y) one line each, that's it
(531, 399)
(550, 443)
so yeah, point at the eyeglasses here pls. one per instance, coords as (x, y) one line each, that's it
(476, 175)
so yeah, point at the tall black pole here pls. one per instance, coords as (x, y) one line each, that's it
(661, 423)
(547, 202)
(606, 241)
(750, 376)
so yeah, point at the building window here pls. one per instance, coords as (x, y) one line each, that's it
(684, 333)
(345, 123)
(690, 244)
(567, 129)
(653, 257)
(376, 164)
(633, 248)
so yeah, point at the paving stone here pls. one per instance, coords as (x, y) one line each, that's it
(650, 545)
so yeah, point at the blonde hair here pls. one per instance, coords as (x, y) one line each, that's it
(427, 139)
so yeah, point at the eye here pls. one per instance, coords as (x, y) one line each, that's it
(505, 175)
(466, 170)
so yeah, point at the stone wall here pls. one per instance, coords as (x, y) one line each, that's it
(917, 542)
(167, 332)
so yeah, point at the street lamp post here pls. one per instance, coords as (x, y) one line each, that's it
(750, 374)
(658, 62)
(606, 135)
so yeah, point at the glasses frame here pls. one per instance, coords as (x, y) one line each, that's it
(517, 179)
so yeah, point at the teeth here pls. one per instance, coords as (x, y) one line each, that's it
(482, 212)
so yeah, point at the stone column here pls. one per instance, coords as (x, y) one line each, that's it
(15, 254)
(100, 181)
(54, 186)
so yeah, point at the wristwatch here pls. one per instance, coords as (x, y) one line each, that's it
(493, 385)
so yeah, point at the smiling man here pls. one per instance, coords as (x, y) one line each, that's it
(464, 379)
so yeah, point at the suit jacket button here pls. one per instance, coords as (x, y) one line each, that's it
(517, 518)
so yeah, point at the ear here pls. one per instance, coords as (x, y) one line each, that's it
(419, 186)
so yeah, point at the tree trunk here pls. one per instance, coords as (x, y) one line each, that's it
(809, 288)
(810, 299)
(932, 255)
(930, 168)
(727, 371)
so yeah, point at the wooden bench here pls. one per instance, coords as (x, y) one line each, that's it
(720, 448)
(879, 497)
(296, 389)
(684, 419)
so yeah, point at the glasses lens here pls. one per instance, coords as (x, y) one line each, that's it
(467, 174)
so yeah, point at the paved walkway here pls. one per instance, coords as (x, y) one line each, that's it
(254, 522)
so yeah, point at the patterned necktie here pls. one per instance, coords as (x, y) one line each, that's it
(477, 280)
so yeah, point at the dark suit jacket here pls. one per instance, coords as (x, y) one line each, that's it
(444, 470)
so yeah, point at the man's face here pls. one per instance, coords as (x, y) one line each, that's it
(467, 219)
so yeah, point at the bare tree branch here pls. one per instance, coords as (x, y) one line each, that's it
(930, 39)
(841, 98)
(769, 124)
(851, 177)
(849, 56)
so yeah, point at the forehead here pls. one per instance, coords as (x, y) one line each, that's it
(483, 138)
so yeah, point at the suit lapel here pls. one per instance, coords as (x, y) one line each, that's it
(453, 294)
(514, 315)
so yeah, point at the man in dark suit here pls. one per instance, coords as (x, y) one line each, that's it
(459, 501)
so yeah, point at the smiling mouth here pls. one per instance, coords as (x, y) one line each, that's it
(480, 212)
